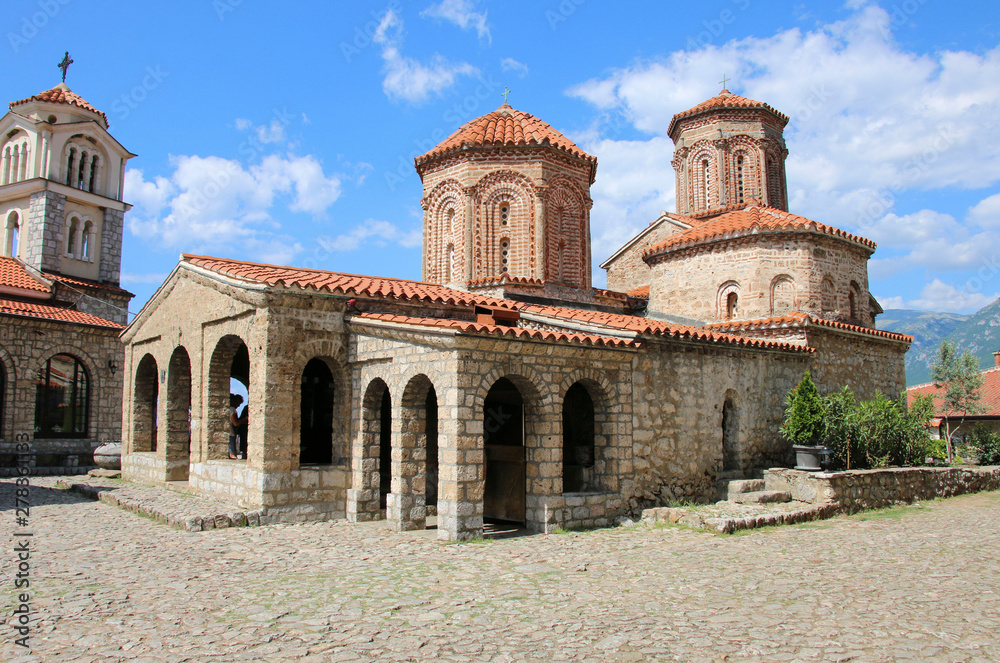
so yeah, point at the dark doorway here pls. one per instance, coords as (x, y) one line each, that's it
(431, 484)
(730, 432)
(578, 441)
(384, 449)
(503, 432)
(316, 432)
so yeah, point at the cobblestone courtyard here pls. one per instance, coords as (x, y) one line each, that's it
(919, 584)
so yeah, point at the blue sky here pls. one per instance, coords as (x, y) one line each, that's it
(286, 132)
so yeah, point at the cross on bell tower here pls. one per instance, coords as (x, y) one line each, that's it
(64, 65)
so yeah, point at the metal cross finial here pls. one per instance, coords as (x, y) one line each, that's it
(505, 93)
(64, 65)
(724, 81)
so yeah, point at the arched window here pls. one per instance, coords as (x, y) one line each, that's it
(784, 295)
(71, 236)
(578, 440)
(732, 305)
(70, 160)
(852, 297)
(62, 398)
(706, 183)
(727, 303)
(86, 241)
(5, 173)
(739, 179)
(829, 295)
(94, 164)
(13, 233)
(81, 170)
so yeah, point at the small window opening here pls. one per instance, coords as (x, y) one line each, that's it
(739, 179)
(732, 305)
(705, 181)
(504, 214)
(504, 250)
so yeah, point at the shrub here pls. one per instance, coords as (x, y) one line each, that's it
(987, 445)
(804, 417)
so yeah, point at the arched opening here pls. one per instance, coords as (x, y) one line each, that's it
(80, 175)
(13, 234)
(578, 441)
(730, 436)
(828, 293)
(178, 452)
(3, 396)
(62, 398)
(316, 428)
(431, 484)
(230, 361)
(384, 448)
(739, 179)
(146, 393)
(71, 236)
(732, 305)
(784, 295)
(852, 298)
(70, 160)
(94, 165)
(86, 240)
(503, 432)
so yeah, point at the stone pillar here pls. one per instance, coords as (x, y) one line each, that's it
(363, 496)
(45, 162)
(111, 246)
(405, 505)
(42, 231)
(460, 471)
(470, 241)
(542, 241)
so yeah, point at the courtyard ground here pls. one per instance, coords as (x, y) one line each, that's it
(918, 583)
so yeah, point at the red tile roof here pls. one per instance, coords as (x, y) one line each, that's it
(650, 327)
(724, 100)
(347, 284)
(467, 327)
(990, 393)
(69, 280)
(502, 279)
(61, 94)
(13, 274)
(639, 293)
(53, 313)
(803, 320)
(751, 220)
(504, 126)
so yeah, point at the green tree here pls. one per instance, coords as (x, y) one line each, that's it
(803, 423)
(961, 380)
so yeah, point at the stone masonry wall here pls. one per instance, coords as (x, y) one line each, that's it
(679, 393)
(629, 271)
(864, 363)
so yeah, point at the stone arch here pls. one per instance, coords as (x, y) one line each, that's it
(230, 359)
(784, 295)
(83, 163)
(703, 169)
(178, 415)
(745, 178)
(828, 295)
(854, 300)
(374, 463)
(12, 233)
(731, 461)
(445, 221)
(16, 155)
(317, 407)
(600, 473)
(565, 236)
(727, 303)
(414, 455)
(145, 399)
(493, 193)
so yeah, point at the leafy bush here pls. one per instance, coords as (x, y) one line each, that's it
(804, 416)
(876, 433)
(986, 444)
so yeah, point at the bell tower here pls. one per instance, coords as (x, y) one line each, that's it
(729, 151)
(61, 180)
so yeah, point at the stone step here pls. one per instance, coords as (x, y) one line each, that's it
(762, 497)
(738, 486)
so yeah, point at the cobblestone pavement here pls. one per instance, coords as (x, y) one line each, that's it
(912, 584)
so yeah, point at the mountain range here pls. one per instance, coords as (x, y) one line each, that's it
(978, 333)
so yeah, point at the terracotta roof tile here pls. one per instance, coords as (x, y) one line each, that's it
(61, 94)
(504, 126)
(54, 313)
(650, 327)
(13, 274)
(804, 320)
(69, 280)
(467, 327)
(990, 393)
(640, 293)
(723, 100)
(753, 219)
(502, 279)
(335, 282)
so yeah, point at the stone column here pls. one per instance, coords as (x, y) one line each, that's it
(405, 505)
(469, 220)
(721, 170)
(363, 496)
(541, 240)
(460, 471)
(45, 161)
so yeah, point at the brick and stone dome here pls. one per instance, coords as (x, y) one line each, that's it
(62, 95)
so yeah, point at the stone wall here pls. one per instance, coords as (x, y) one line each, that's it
(857, 490)
(862, 362)
(628, 270)
(677, 432)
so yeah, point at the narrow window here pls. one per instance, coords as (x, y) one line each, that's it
(450, 265)
(732, 305)
(93, 174)
(69, 166)
(853, 301)
(504, 251)
(13, 229)
(739, 179)
(85, 241)
(80, 169)
(705, 181)
(74, 230)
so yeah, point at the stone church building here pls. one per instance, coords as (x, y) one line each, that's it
(61, 306)
(504, 385)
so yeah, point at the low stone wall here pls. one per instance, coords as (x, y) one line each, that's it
(545, 513)
(144, 467)
(232, 481)
(856, 490)
(310, 493)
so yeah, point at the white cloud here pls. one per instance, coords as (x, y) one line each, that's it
(407, 79)
(859, 134)
(518, 68)
(216, 204)
(939, 296)
(382, 232)
(268, 133)
(987, 212)
(460, 12)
